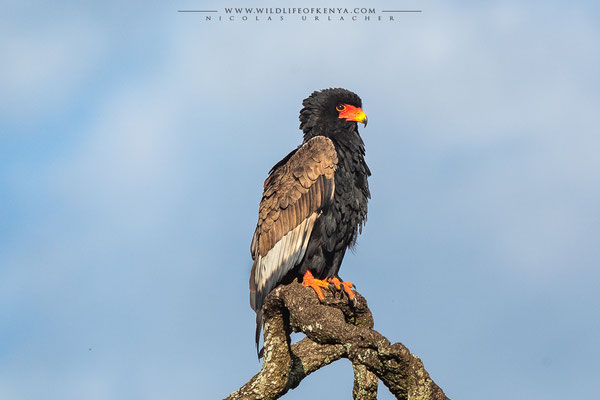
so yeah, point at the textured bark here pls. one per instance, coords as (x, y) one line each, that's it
(337, 329)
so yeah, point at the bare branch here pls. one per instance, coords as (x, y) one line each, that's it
(337, 329)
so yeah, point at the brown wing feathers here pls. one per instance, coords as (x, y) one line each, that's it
(289, 197)
(293, 196)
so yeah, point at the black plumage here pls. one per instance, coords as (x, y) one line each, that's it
(314, 202)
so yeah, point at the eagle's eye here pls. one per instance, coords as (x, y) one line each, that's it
(340, 107)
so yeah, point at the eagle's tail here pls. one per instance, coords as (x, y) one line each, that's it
(259, 323)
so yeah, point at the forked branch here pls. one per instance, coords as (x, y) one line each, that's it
(337, 329)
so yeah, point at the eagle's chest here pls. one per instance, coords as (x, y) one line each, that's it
(349, 208)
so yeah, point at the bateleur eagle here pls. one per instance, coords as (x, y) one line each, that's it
(314, 202)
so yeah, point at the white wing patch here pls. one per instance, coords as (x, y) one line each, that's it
(286, 254)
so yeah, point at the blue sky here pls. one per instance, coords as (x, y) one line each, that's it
(134, 141)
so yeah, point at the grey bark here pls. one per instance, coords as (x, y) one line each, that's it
(336, 329)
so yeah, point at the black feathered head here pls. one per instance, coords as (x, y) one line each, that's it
(329, 111)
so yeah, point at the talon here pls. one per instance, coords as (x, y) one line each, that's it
(348, 286)
(345, 286)
(336, 282)
(308, 280)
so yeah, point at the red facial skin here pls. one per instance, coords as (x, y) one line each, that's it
(351, 113)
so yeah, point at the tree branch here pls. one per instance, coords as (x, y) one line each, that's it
(334, 330)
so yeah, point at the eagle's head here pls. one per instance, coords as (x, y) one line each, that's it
(331, 112)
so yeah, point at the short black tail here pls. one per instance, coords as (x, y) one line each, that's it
(259, 323)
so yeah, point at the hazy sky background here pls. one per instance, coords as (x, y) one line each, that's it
(134, 141)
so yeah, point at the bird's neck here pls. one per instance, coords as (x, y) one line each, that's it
(346, 141)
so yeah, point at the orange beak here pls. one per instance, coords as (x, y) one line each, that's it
(352, 113)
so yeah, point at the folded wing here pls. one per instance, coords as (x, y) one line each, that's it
(294, 195)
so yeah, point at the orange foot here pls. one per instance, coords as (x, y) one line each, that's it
(308, 280)
(346, 286)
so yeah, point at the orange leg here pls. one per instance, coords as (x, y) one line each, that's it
(308, 280)
(346, 286)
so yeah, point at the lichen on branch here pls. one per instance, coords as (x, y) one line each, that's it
(336, 329)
